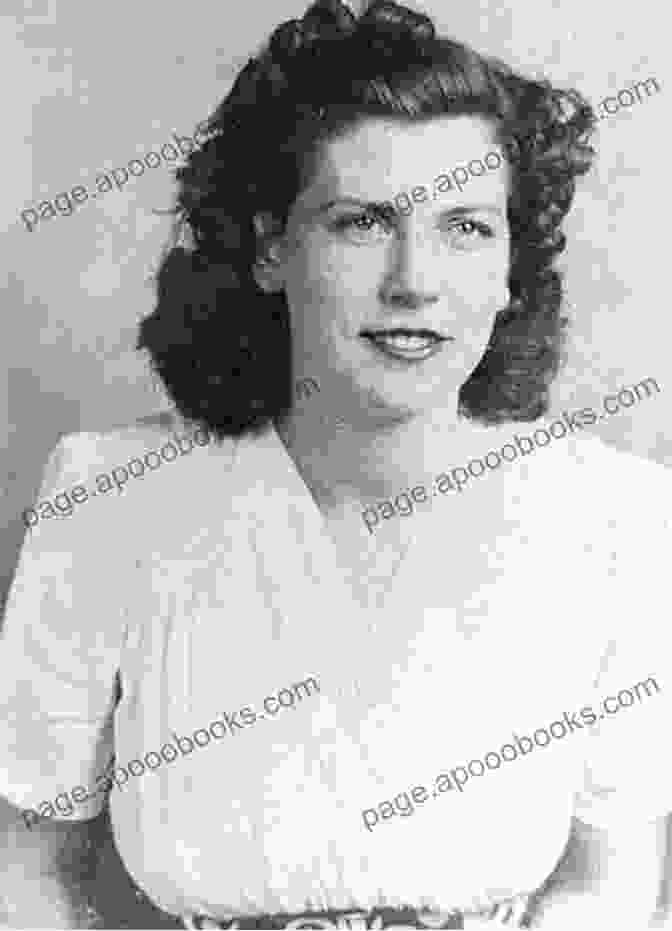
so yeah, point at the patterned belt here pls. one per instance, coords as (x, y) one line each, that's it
(512, 914)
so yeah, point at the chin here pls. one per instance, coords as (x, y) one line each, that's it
(395, 404)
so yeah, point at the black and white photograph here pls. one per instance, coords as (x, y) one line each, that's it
(383, 643)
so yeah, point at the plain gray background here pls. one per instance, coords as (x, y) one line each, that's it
(89, 87)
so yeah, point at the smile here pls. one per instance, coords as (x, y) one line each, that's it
(408, 345)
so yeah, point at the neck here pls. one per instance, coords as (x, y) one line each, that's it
(344, 463)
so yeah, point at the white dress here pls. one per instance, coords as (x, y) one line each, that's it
(206, 591)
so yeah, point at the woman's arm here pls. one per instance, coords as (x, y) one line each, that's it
(606, 879)
(44, 871)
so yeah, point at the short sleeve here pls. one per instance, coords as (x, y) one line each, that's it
(59, 651)
(628, 765)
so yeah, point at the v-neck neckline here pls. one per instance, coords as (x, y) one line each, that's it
(300, 577)
(281, 499)
(328, 551)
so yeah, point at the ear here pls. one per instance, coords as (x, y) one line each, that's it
(268, 266)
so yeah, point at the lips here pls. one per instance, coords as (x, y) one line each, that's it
(403, 343)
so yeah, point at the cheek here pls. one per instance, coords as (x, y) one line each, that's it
(479, 288)
(309, 288)
(322, 289)
(479, 277)
(475, 338)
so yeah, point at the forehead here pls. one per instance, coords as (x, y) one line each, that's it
(379, 158)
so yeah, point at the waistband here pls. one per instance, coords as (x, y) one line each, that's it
(512, 914)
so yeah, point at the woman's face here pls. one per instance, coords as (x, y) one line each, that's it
(392, 309)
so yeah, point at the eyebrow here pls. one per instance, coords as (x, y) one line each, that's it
(377, 206)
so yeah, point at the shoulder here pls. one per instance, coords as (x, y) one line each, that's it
(155, 432)
(143, 446)
(604, 517)
(617, 510)
(599, 484)
(614, 505)
(627, 493)
(127, 475)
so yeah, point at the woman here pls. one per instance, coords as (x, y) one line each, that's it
(377, 668)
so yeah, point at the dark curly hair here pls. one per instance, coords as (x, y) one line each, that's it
(222, 346)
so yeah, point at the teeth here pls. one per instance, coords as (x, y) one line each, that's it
(401, 341)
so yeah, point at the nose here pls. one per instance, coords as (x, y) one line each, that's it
(413, 281)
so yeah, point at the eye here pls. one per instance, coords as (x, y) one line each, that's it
(473, 226)
(363, 227)
(473, 232)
